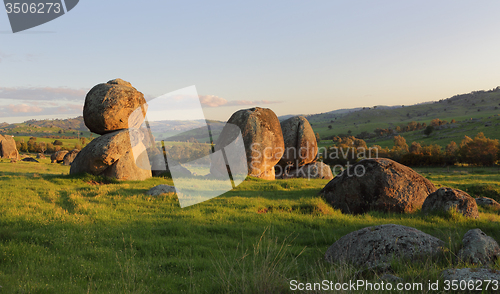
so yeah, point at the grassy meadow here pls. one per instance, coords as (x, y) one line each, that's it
(86, 234)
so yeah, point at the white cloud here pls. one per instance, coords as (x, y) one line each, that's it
(36, 109)
(42, 93)
(23, 108)
(215, 101)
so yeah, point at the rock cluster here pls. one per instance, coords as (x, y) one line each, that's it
(273, 149)
(114, 110)
(377, 184)
(373, 248)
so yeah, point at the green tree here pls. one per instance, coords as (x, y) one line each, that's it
(428, 130)
(24, 147)
(415, 148)
(480, 151)
(452, 149)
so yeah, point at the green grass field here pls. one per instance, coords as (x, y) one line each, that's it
(85, 234)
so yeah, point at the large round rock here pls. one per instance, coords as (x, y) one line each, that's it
(374, 246)
(301, 147)
(8, 147)
(377, 184)
(446, 199)
(113, 106)
(262, 137)
(114, 155)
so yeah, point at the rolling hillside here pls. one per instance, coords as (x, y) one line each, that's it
(473, 112)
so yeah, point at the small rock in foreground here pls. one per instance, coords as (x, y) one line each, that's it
(479, 248)
(471, 274)
(160, 189)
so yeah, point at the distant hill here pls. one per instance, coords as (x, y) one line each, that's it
(171, 130)
(474, 112)
(72, 127)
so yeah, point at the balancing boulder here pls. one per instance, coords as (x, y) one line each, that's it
(113, 106)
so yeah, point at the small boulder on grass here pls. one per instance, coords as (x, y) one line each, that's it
(471, 274)
(478, 248)
(373, 246)
(448, 199)
(29, 159)
(160, 189)
(488, 203)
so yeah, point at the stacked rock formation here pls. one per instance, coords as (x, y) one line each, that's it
(8, 147)
(114, 110)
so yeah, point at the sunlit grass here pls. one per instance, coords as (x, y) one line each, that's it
(86, 234)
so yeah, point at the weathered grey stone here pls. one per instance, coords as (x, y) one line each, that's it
(113, 106)
(301, 147)
(315, 170)
(488, 202)
(446, 199)
(114, 155)
(70, 156)
(8, 147)
(478, 248)
(471, 274)
(58, 156)
(377, 184)
(160, 189)
(391, 278)
(372, 246)
(262, 137)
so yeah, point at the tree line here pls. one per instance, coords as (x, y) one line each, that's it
(479, 150)
(32, 146)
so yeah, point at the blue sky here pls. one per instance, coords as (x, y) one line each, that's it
(295, 57)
